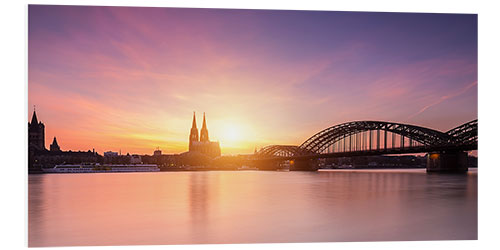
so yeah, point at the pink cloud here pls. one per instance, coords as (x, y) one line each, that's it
(445, 97)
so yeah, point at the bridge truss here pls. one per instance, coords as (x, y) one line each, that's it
(377, 137)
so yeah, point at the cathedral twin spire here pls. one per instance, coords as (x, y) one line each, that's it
(204, 130)
(193, 137)
(194, 120)
(194, 131)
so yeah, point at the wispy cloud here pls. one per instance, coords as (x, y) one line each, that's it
(445, 97)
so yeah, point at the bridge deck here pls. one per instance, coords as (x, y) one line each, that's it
(409, 150)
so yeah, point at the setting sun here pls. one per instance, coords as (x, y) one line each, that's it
(232, 133)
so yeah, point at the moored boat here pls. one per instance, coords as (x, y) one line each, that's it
(101, 168)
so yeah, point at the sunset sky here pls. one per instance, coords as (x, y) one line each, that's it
(114, 78)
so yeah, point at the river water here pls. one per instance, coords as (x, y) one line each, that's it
(250, 207)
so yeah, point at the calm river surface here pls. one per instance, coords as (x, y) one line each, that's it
(250, 207)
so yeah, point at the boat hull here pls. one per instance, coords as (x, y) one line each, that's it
(101, 169)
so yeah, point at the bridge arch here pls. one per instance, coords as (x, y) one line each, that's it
(282, 150)
(464, 134)
(328, 137)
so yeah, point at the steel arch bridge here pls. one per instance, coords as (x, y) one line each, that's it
(376, 137)
(464, 134)
(283, 150)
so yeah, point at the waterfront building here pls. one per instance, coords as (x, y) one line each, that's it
(110, 154)
(157, 152)
(39, 156)
(47, 158)
(135, 159)
(36, 134)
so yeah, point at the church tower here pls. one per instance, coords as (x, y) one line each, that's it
(193, 137)
(204, 130)
(36, 133)
(54, 146)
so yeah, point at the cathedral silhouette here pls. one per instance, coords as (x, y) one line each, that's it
(202, 145)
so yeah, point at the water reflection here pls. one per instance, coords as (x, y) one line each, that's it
(250, 207)
(201, 192)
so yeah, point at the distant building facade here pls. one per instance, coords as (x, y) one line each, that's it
(135, 159)
(110, 154)
(49, 159)
(157, 152)
(203, 145)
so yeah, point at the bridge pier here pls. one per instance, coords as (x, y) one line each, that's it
(304, 165)
(447, 162)
(268, 165)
